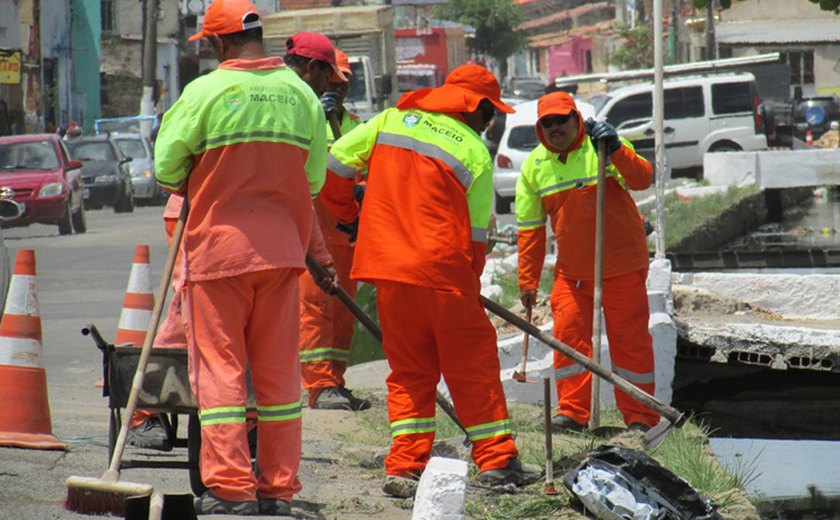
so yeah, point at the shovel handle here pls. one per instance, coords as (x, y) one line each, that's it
(673, 415)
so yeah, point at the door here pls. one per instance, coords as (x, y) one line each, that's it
(685, 126)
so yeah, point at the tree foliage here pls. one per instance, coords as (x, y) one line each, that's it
(635, 50)
(494, 22)
(825, 5)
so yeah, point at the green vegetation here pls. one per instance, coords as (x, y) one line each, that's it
(684, 215)
(636, 47)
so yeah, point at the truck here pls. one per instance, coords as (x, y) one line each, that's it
(364, 33)
(426, 56)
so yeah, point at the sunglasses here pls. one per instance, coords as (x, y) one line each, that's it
(548, 122)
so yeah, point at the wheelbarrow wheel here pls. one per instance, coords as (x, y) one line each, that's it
(193, 455)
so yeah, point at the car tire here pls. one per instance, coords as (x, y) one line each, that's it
(724, 146)
(65, 225)
(80, 220)
(125, 204)
(502, 204)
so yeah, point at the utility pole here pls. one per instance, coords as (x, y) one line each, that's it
(658, 124)
(147, 102)
(710, 31)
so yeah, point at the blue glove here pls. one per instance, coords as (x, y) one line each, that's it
(352, 229)
(601, 131)
(330, 103)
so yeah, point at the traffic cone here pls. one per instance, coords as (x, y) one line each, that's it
(24, 407)
(809, 138)
(139, 301)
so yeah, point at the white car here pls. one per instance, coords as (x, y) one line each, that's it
(518, 139)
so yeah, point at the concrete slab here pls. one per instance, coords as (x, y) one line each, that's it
(793, 168)
(730, 168)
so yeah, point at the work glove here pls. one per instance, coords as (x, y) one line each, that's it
(352, 229)
(528, 298)
(330, 103)
(359, 193)
(329, 283)
(602, 131)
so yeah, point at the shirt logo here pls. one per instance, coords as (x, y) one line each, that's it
(234, 98)
(411, 120)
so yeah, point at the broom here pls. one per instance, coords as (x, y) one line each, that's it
(105, 495)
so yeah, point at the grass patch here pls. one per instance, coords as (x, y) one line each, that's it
(683, 217)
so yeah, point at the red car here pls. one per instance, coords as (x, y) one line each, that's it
(37, 173)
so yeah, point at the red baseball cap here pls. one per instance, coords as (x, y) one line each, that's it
(314, 46)
(228, 17)
(462, 91)
(343, 64)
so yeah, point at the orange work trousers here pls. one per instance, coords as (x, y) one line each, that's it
(626, 314)
(250, 320)
(426, 333)
(326, 327)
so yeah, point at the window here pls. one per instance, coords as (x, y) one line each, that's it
(684, 103)
(632, 108)
(731, 98)
(91, 151)
(131, 148)
(801, 67)
(523, 138)
(108, 12)
(35, 155)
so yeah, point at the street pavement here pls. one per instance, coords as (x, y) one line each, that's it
(80, 279)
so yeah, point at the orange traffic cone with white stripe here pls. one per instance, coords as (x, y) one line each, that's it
(24, 407)
(139, 301)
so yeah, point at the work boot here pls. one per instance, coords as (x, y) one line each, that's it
(399, 487)
(339, 398)
(515, 473)
(638, 427)
(274, 507)
(564, 424)
(210, 504)
(151, 435)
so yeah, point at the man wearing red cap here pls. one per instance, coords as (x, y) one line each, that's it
(559, 180)
(246, 146)
(312, 56)
(326, 326)
(421, 242)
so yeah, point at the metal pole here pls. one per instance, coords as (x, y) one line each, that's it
(595, 402)
(710, 30)
(660, 171)
(147, 102)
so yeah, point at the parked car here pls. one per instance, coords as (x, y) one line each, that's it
(142, 168)
(37, 173)
(518, 139)
(713, 113)
(105, 172)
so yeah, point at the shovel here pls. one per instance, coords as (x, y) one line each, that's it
(376, 332)
(656, 434)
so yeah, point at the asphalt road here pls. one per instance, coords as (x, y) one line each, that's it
(80, 279)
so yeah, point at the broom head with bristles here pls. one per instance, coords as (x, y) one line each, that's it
(100, 496)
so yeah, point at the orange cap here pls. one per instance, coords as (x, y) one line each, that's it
(228, 17)
(343, 64)
(559, 104)
(462, 91)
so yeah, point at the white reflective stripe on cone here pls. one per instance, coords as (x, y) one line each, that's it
(21, 298)
(139, 281)
(21, 352)
(135, 319)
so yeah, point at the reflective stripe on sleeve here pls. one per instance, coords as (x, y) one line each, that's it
(531, 223)
(282, 412)
(222, 415)
(640, 378)
(413, 425)
(487, 430)
(429, 150)
(340, 168)
(567, 372)
(324, 354)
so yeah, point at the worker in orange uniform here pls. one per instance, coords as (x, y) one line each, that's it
(326, 326)
(559, 180)
(246, 146)
(421, 242)
(147, 429)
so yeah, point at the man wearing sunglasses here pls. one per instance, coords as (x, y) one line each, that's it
(559, 180)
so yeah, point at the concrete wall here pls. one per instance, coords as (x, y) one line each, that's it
(129, 17)
(85, 39)
(774, 168)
